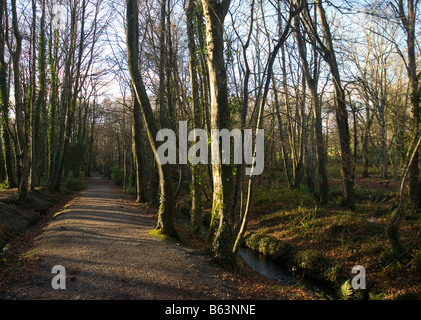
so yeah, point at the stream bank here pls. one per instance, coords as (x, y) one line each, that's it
(268, 257)
(290, 264)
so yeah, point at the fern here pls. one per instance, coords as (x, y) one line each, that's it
(345, 291)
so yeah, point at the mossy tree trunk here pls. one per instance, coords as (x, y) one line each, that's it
(167, 205)
(408, 18)
(64, 109)
(21, 138)
(41, 99)
(222, 223)
(196, 210)
(137, 151)
(393, 228)
(4, 104)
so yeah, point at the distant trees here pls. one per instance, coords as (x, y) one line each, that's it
(49, 74)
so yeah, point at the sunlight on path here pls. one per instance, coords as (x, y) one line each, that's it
(102, 240)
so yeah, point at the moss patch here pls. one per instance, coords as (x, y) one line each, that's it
(275, 249)
(158, 234)
(310, 263)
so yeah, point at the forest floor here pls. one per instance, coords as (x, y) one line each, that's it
(351, 238)
(104, 241)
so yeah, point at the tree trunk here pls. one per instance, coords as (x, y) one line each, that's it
(21, 139)
(137, 151)
(259, 121)
(312, 82)
(53, 99)
(408, 22)
(196, 210)
(167, 206)
(341, 111)
(366, 137)
(66, 109)
(41, 111)
(4, 104)
(34, 116)
(284, 145)
(393, 227)
(222, 232)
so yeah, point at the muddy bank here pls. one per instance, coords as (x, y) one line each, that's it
(16, 217)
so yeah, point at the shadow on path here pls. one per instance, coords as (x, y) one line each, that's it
(102, 240)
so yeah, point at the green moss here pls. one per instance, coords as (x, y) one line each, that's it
(275, 249)
(59, 213)
(311, 263)
(158, 234)
(29, 254)
(316, 266)
(222, 246)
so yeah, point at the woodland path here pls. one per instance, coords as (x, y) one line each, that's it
(102, 240)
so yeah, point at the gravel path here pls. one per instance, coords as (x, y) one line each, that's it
(102, 240)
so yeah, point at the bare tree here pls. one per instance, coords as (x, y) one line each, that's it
(326, 47)
(4, 100)
(312, 78)
(21, 139)
(167, 206)
(406, 12)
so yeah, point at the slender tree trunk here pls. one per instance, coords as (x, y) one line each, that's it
(4, 103)
(167, 206)
(90, 146)
(366, 137)
(196, 210)
(137, 151)
(341, 111)
(74, 93)
(393, 227)
(284, 153)
(259, 121)
(65, 107)
(34, 117)
(21, 139)
(41, 110)
(53, 99)
(291, 135)
(312, 82)
(408, 21)
(163, 112)
(222, 232)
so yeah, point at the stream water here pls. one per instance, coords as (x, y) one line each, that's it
(273, 270)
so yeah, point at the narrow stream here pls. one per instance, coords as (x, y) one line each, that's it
(269, 268)
(266, 267)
